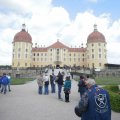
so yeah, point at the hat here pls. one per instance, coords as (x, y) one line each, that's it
(90, 81)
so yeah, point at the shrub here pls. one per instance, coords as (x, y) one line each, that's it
(114, 97)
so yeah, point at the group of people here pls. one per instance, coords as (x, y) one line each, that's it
(44, 81)
(5, 80)
(94, 101)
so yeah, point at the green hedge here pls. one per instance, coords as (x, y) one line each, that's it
(114, 97)
(19, 81)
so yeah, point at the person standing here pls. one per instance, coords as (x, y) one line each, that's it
(0, 81)
(46, 84)
(9, 81)
(4, 81)
(40, 83)
(67, 88)
(95, 103)
(60, 84)
(81, 86)
(52, 81)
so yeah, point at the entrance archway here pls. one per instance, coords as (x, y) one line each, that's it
(57, 66)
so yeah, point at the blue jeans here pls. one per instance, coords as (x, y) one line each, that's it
(4, 88)
(40, 89)
(46, 91)
(52, 88)
(59, 91)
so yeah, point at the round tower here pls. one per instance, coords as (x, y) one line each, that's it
(22, 47)
(96, 50)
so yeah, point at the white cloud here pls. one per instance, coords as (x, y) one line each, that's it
(93, 1)
(44, 22)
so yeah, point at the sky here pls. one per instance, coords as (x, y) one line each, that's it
(70, 21)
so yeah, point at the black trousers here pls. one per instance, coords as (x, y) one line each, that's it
(66, 97)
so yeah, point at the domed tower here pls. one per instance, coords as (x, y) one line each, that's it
(96, 49)
(22, 47)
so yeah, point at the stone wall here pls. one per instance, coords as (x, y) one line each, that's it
(21, 73)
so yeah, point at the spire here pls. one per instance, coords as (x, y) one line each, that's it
(95, 27)
(23, 27)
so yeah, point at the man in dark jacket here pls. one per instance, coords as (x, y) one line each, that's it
(81, 86)
(96, 103)
(60, 84)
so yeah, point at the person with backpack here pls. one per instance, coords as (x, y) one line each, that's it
(53, 83)
(94, 104)
(67, 88)
(59, 81)
(46, 84)
(40, 83)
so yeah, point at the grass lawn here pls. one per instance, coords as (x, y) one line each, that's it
(18, 81)
(111, 80)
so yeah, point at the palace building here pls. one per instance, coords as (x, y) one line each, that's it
(58, 55)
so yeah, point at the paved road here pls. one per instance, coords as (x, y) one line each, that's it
(23, 103)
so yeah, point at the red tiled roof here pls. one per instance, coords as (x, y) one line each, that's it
(22, 36)
(95, 37)
(36, 49)
(77, 49)
(58, 45)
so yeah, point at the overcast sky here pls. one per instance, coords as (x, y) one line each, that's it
(70, 21)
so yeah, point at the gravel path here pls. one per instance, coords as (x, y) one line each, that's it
(24, 103)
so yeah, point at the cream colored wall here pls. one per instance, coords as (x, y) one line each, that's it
(50, 57)
(19, 48)
(64, 58)
(96, 60)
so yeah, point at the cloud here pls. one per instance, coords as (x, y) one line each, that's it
(47, 23)
(93, 1)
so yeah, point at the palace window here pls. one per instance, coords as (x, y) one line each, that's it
(25, 64)
(19, 49)
(37, 54)
(25, 55)
(26, 50)
(83, 59)
(37, 59)
(99, 55)
(99, 50)
(33, 59)
(18, 55)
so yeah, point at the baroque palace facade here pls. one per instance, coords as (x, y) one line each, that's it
(58, 55)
